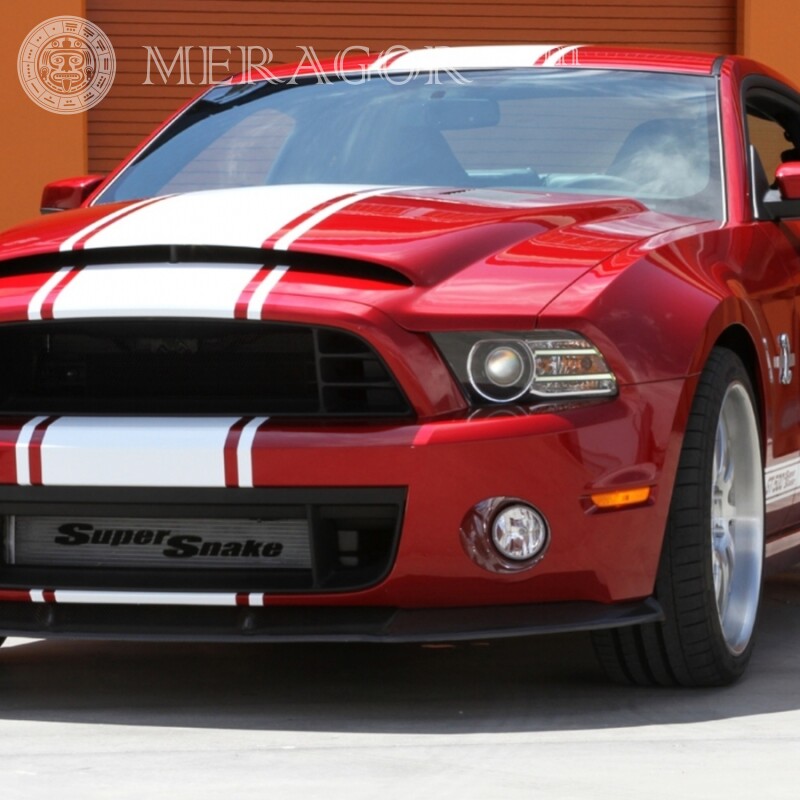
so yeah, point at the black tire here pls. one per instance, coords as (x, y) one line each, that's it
(704, 641)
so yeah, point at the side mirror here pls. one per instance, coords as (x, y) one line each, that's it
(784, 202)
(69, 193)
(788, 178)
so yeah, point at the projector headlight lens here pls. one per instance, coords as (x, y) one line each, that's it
(504, 366)
(500, 370)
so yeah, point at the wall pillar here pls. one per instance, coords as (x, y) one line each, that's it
(37, 145)
(768, 33)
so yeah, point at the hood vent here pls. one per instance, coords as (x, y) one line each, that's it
(206, 254)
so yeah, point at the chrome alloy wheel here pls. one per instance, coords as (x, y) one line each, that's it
(737, 518)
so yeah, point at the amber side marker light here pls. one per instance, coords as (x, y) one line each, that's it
(620, 499)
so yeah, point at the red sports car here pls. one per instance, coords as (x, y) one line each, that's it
(442, 344)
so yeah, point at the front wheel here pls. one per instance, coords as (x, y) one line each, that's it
(709, 578)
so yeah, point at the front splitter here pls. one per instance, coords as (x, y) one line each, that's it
(315, 624)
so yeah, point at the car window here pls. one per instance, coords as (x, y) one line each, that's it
(657, 149)
(769, 139)
(241, 156)
(651, 136)
(772, 121)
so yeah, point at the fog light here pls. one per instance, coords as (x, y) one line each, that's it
(519, 532)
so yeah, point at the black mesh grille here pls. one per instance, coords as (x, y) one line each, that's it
(169, 366)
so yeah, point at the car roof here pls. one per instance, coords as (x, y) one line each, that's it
(402, 60)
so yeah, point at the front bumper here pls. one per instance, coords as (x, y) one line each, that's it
(600, 564)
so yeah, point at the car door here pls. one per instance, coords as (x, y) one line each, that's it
(772, 118)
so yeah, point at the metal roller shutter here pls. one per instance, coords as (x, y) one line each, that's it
(132, 110)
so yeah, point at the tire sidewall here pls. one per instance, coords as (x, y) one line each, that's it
(724, 370)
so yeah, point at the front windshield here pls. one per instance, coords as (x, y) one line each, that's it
(651, 136)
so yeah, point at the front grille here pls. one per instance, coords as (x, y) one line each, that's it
(255, 540)
(192, 366)
(157, 543)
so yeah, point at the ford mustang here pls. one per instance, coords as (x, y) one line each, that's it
(435, 345)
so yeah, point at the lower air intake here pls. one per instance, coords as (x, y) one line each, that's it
(260, 540)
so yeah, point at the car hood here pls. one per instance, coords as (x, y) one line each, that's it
(446, 245)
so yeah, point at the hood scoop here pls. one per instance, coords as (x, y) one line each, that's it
(207, 254)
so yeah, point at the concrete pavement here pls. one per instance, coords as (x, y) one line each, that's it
(529, 718)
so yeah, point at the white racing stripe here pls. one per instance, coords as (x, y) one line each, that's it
(135, 451)
(256, 599)
(139, 598)
(288, 238)
(246, 217)
(244, 451)
(560, 54)
(22, 451)
(68, 244)
(465, 58)
(256, 304)
(37, 301)
(242, 217)
(154, 290)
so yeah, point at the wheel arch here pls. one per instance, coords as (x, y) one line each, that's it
(741, 327)
(737, 339)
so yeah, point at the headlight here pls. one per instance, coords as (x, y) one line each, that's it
(500, 369)
(505, 367)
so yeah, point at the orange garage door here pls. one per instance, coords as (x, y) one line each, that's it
(152, 36)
